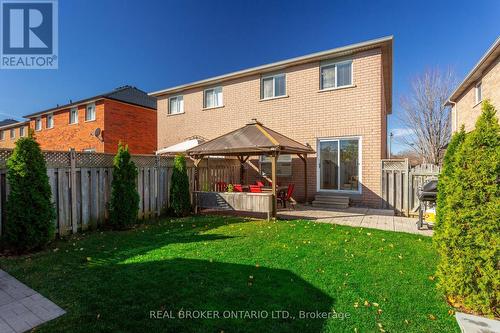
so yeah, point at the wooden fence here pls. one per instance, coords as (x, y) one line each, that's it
(400, 184)
(81, 184)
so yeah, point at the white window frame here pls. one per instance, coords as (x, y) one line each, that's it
(335, 64)
(478, 89)
(38, 124)
(92, 106)
(169, 105)
(2, 135)
(360, 163)
(213, 89)
(75, 110)
(273, 76)
(12, 133)
(50, 117)
(21, 131)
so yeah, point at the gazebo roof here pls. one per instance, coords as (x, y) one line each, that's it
(251, 139)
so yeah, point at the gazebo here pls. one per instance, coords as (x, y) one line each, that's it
(253, 139)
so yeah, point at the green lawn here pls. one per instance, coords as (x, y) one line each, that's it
(110, 281)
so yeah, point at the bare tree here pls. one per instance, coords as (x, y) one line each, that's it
(425, 114)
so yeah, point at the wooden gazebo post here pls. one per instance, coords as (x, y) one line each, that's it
(274, 160)
(304, 159)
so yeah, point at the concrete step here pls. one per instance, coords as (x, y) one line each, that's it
(321, 204)
(332, 198)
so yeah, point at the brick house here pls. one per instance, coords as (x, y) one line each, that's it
(483, 82)
(98, 123)
(337, 101)
(11, 130)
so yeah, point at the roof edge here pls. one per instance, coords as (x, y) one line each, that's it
(274, 65)
(464, 83)
(19, 123)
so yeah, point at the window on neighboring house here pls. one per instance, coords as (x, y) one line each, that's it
(50, 120)
(2, 135)
(176, 105)
(73, 116)
(12, 133)
(273, 86)
(21, 131)
(38, 124)
(90, 112)
(336, 75)
(213, 97)
(89, 150)
(479, 92)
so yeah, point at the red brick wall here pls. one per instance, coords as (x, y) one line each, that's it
(64, 135)
(7, 142)
(133, 125)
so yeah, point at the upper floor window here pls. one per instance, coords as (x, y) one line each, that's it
(50, 120)
(273, 86)
(73, 116)
(479, 92)
(336, 75)
(2, 135)
(21, 131)
(176, 105)
(38, 124)
(90, 112)
(12, 133)
(213, 97)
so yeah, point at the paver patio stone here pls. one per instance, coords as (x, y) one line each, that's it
(22, 308)
(382, 219)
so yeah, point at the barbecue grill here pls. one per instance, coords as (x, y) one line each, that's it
(427, 209)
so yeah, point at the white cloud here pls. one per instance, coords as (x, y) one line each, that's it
(401, 132)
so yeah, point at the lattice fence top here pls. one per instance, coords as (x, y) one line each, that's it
(57, 159)
(93, 160)
(394, 165)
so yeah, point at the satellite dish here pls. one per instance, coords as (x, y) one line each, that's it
(97, 132)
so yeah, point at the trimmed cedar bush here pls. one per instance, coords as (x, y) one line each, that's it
(447, 172)
(468, 229)
(30, 219)
(180, 202)
(124, 203)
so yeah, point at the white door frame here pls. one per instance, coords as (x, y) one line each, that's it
(318, 160)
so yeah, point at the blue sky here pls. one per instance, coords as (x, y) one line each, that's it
(104, 44)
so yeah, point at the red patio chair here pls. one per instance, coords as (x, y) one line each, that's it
(255, 189)
(260, 184)
(287, 197)
(220, 186)
(237, 188)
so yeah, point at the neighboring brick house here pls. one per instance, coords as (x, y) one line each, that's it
(336, 100)
(483, 82)
(11, 130)
(98, 123)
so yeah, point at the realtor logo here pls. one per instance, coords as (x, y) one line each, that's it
(28, 34)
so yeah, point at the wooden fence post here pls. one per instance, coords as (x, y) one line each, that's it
(74, 217)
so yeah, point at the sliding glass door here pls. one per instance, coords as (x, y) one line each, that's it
(338, 167)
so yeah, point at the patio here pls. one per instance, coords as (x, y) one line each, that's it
(382, 219)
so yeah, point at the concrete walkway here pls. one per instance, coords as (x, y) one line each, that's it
(22, 308)
(357, 217)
